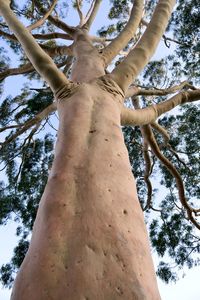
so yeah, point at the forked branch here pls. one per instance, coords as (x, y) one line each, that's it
(179, 182)
(149, 114)
(55, 21)
(80, 13)
(138, 91)
(41, 61)
(92, 14)
(126, 34)
(27, 125)
(41, 21)
(128, 70)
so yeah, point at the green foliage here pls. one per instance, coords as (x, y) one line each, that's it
(20, 196)
(119, 9)
(8, 270)
(4, 64)
(165, 273)
(185, 25)
(171, 235)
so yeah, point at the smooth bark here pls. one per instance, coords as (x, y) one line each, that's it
(150, 114)
(89, 239)
(41, 61)
(93, 14)
(132, 65)
(113, 49)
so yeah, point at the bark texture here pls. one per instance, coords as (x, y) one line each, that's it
(149, 114)
(127, 33)
(132, 65)
(89, 239)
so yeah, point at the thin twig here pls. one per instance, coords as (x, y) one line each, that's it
(137, 91)
(80, 13)
(56, 21)
(38, 118)
(43, 19)
(92, 15)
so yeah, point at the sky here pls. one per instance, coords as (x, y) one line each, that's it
(186, 288)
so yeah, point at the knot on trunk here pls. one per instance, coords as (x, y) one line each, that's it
(66, 91)
(107, 84)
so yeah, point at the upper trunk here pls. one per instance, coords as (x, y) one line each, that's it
(88, 62)
(89, 239)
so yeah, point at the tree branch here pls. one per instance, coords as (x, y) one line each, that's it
(126, 34)
(177, 156)
(166, 38)
(162, 131)
(137, 91)
(37, 119)
(127, 71)
(180, 186)
(147, 173)
(55, 21)
(52, 35)
(147, 160)
(10, 127)
(46, 36)
(41, 61)
(24, 147)
(43, 19)
(80, 13)
(149, 114)
(92, 15)
(27, 68)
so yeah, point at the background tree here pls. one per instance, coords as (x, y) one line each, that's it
(168, 150)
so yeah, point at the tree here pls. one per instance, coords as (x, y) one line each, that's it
(89, 237)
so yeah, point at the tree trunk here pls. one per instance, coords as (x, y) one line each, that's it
(89, 239)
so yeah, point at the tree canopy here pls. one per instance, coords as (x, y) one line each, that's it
(165, 165)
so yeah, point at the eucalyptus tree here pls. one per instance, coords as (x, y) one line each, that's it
(89, 239)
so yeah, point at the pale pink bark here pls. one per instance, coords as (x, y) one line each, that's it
(128, 70)
(126, 35)
(149, 114)
(84, 69)
(89, 239)
(39, 59)
(92, 14)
